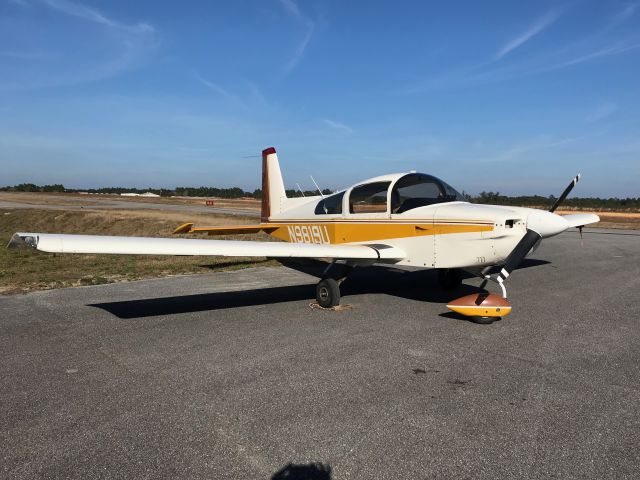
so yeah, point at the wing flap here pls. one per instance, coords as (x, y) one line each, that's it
(65, 243)
(230, 230)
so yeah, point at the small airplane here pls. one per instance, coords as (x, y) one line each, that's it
(403, 219)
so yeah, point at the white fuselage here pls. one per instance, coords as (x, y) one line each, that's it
(453, 234)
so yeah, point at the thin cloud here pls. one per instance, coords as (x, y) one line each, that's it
(291, 8)
(539, 143)
(213, 86)
(87, 13)
(299, 51)
(230, 97)
(488, 73)
(337, 125)
(534, 29)
(624, 14)
(131, 44)
(603, 52)
(601, 112)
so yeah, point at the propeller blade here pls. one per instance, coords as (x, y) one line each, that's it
(516, 256)
(565, 193)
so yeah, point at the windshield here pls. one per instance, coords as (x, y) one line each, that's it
(418, 190)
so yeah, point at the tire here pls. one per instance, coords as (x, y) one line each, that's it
(484, 320)
(328, 293)
(449, 278)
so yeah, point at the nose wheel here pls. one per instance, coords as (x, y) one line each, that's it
(484, 320)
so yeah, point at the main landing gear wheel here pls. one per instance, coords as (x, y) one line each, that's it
(328, 293)
(449, 278)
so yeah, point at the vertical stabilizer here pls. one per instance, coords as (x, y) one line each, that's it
(273, 194)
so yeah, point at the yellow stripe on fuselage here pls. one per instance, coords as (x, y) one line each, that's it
(336, 232)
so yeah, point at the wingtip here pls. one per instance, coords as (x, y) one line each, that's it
(23, 240)
(15, 242)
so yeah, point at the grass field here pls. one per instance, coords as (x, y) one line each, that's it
(26, 269)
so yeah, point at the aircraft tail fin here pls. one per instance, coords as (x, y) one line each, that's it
(273, 193)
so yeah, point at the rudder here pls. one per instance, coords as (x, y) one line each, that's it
(273, 193)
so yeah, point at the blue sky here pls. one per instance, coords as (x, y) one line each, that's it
(507, 96)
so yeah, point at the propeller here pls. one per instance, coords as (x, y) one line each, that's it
(537, 225)
(524, 246)
(565, 193)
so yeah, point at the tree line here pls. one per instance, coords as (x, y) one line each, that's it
(31, 187)
(237, 192)
(492, 198)
(233, 192)
(495, 198)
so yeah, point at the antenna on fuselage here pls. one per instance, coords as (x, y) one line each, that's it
(314, 182)
(298, 185)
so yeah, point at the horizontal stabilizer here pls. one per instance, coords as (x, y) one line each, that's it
(64, 243)
(581, 219)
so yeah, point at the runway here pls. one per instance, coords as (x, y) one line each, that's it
(118, 204)
(231, 375)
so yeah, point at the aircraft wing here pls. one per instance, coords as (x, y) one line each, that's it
(581, 219)
(64, 243)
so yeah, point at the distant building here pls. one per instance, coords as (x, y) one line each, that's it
(145, 194)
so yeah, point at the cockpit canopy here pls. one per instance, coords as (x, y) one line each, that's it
(410, 191)
(418, 190)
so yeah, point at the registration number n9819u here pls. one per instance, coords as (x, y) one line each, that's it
(308, 234)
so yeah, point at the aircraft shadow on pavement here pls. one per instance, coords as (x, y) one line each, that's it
(310, 471)
(420, 285)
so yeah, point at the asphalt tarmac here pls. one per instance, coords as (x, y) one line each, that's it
(232, 375)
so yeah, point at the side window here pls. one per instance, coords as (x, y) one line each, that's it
(369, 198)
(330, 205)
